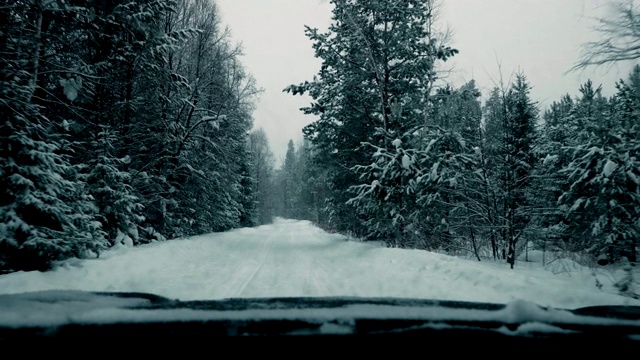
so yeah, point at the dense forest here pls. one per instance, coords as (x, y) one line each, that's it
(124, 122)
(399, 155)
(130, 121)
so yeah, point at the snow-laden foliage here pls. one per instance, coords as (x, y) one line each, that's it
(376, 55)
(405, 158)
(119, 210)
(410, 195)
(45, 211)
(601, 200)
(126, 122)
(511, 152)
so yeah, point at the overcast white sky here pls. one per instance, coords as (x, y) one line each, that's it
(540, 37)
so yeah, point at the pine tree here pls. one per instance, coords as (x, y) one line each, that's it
(306, 197)
(601, 202)
(519, 131)
(289, 181)
(45, 213)
(377, 56)
(118, 209)
(458, 110)
(249, 213)
(507, 166)
(460, 208)
(262, 173)
(549, 182)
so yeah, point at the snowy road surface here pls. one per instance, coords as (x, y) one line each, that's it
(295, 258)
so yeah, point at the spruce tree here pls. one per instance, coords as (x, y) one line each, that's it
(45, 211)
(377, 56)
(508, 160)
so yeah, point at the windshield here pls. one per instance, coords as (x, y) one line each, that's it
(214, 149)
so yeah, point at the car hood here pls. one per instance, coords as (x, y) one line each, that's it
(51, 310)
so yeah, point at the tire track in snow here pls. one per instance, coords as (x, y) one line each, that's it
(265, 252)
(247, 271)
(314, 274)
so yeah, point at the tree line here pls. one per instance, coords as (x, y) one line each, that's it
(123, 122)
(398, 155)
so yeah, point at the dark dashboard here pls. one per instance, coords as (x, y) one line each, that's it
(314, 327)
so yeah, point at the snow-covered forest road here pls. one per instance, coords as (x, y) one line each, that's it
(295, 258)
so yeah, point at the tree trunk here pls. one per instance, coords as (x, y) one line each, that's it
(473, 242)
(33, 83)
